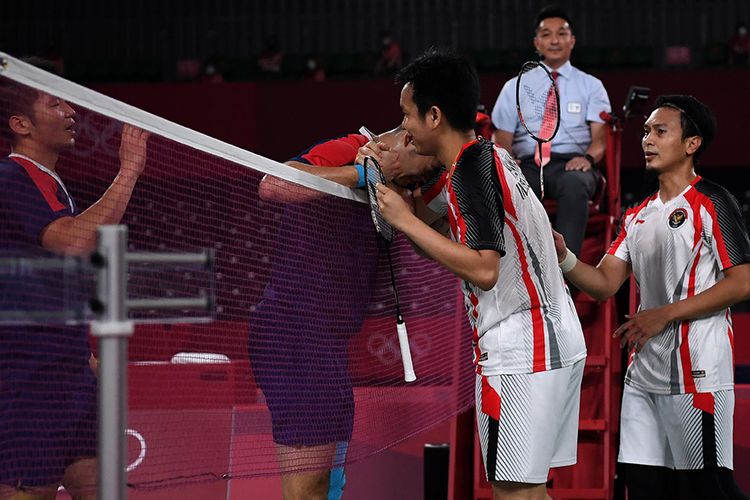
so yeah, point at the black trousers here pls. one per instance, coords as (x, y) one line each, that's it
(645, 482)
(572, 190)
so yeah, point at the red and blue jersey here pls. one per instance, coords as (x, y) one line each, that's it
(32, 198)
(337, 152)
(47, 390)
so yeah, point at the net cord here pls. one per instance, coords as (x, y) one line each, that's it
(74, 93)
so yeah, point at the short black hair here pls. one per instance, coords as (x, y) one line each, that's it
(443, 79)
(695, 117)
(18, 99)
(551, 11)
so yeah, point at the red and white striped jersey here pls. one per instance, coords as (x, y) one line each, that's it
(527, 322)
(679, 249)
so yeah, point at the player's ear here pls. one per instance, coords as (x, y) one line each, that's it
(434, 116)
(692, 144)
(20, 125)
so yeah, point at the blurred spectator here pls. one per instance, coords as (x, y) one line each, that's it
(739, 46)
(54, 55)
(390, 56)
(211, 71)
(188, 70)
(269, 61)
(315, 71)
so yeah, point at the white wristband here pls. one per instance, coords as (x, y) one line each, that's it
(569, 262)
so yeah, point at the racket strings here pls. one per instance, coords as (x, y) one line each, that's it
(538, 108)
(373, 176)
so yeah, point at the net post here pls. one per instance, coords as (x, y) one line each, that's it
(113, 330)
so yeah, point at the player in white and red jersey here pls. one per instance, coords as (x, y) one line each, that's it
(689, 251)
(529, 346)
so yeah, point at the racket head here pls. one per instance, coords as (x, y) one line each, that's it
(373, 176)
(538, 101)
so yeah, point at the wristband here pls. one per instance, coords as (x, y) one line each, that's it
(360, 175)
(569, 262)
(589, 159)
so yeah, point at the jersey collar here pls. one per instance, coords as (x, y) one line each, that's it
(47, 171)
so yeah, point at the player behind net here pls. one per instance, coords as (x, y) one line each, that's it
(298, 338)
(47, 372)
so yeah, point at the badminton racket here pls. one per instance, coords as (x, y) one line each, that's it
(538, 107)
(373, 176)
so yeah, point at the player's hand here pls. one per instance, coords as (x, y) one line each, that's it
(133, 149)
(396, 205)
(372, 148)
(578, 163)
(641, 327)
(390, 164)
(560, 247)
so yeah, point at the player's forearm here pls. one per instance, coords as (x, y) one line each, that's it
(77, 235)
(480, 268)
(593, 280)
(346, 175)
(275, 189)
(727, 292)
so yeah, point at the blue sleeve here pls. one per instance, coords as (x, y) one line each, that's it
(598, 100)
(504, 115)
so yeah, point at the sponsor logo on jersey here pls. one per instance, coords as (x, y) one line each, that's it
(698, 373)
(677, 218)
(483, 356)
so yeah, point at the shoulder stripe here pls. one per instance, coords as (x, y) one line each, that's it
(507, 197)
(43, 182)
(630, 214)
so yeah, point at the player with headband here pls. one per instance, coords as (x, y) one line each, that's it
(528, 343)
(688, 248)
(298, 340)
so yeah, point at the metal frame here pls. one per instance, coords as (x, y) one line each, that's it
(113, 330)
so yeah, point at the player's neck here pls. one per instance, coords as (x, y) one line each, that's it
(40, 155)
(671, 184)
(453, 145)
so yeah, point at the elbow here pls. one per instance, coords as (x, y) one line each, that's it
(268, 189)
(745, 291)
(487, 279)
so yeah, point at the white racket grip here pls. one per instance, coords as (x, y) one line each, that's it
(403, 342)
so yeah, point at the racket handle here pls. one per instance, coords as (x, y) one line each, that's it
(403, 342)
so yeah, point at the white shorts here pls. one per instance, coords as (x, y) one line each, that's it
(528, 423)
(673, 430)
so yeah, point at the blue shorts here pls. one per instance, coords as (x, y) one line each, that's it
(301, 367)
(48, 416)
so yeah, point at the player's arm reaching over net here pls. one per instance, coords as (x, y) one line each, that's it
(77, 235)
